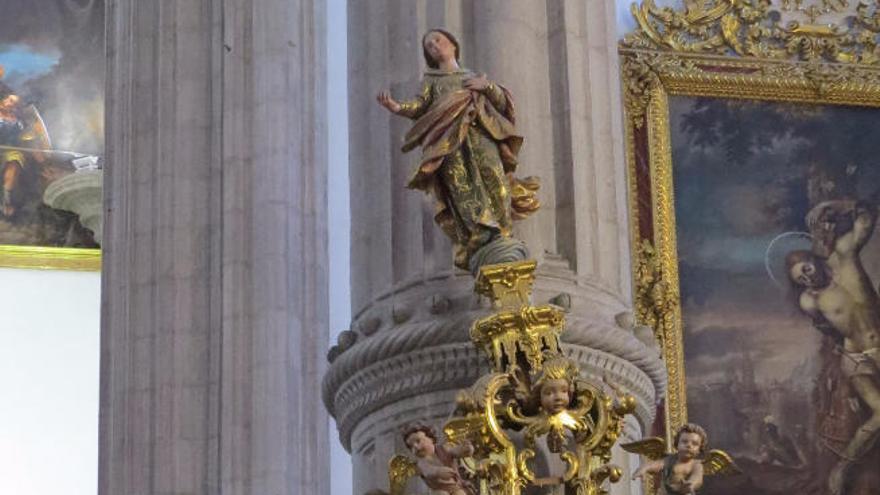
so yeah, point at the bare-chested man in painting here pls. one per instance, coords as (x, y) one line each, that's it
(840, 296)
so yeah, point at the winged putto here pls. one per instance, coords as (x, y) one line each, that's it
(681, 472)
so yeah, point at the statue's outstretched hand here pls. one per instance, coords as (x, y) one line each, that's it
(384, 98)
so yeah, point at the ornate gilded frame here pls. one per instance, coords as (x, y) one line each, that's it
(745, 49)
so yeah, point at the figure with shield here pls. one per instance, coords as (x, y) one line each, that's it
(21, 130)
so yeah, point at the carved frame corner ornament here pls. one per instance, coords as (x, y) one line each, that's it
(808, 51)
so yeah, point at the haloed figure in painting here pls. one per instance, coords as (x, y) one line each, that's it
(838, 293)
(464, 124)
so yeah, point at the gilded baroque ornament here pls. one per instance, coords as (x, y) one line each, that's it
(639, 77)
(723, 49)
(754, 28)
(654, 301)
(815, 9)
(533, 393)
(742, 49)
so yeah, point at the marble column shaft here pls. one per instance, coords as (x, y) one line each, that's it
(214, 291)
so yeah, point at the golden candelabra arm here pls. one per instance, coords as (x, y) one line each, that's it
(494, 426)
(571, 461)
(522, 463)
(514, 415)
(609, 471)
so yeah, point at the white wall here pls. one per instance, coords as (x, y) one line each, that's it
(49, 351)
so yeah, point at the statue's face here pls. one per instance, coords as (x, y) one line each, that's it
(807, 274)
(689, 445)
(555, 396)
(439, 47)
(420, 444)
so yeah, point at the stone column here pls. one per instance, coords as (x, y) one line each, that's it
(408, 350)
(214, 292)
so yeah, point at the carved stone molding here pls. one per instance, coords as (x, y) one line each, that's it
(414, 340)
(81, 193)
(458, 365)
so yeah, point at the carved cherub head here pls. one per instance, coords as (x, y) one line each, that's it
(555, 387)
(420, 439)
(690, 441)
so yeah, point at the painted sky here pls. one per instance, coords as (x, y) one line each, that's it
(23, 63)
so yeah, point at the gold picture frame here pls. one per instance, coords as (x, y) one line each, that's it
(50, 258)
(786, 52)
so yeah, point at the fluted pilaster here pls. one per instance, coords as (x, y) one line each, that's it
(215, 270)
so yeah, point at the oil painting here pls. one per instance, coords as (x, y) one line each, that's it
(51, 122)
(775, 210)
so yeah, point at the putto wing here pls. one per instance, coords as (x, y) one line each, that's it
(653, 448)
(400, 469)
(719, 462)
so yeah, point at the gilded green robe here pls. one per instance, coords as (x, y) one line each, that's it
(469, 145)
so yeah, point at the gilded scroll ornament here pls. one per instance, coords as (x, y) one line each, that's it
(639, 76)
(754, 28)
(814, 10)
(654, 302)
(534, 393)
